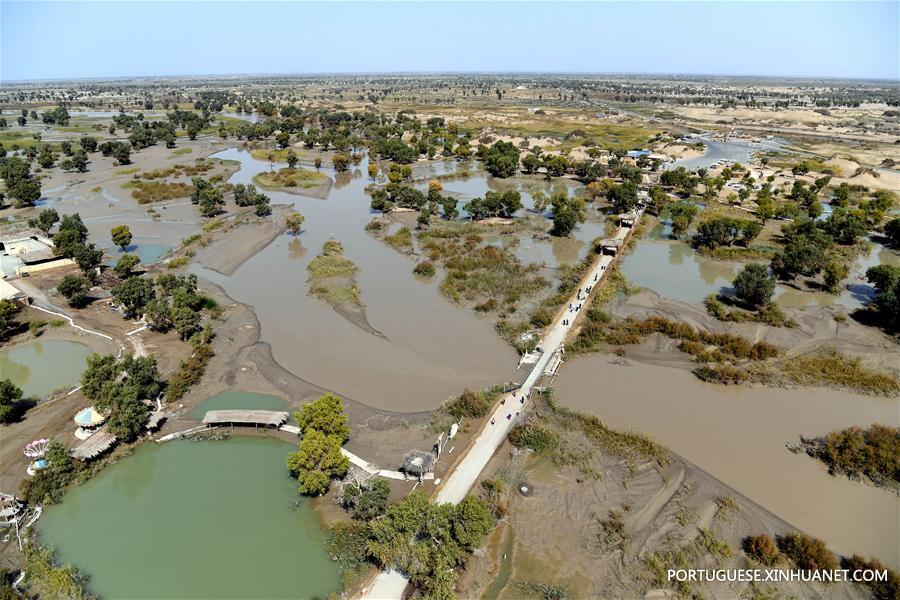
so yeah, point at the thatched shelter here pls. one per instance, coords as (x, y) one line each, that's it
(94, 446)
(417, 463)
(268, 418)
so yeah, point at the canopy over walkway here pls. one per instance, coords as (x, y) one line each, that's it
(268, 418)
(94, 446)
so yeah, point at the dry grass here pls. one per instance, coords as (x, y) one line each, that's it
(831, 368)
(290, 178)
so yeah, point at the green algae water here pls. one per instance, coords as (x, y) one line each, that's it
(238, 400)
(39, 368)
(194, 520)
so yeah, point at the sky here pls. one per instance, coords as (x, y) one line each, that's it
(72, 39)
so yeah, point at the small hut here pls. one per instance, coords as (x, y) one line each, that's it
(610, 246)
(627, 219)
(417, 463)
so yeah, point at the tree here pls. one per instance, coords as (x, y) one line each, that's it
(88, 258)
(70, 236)
(326, 414)
(886, 279)
(318, 162)
(88, 143)
(45, 220)
(659, 199)
(844, 226)
(20, 185)
(158, 314)
(556, 165)
(122, 154)
(726, 231)
(373, 171)
(540, 201)
(211, 200)
(294, 222)
(806, 250)
(292, 159)
(682, 215)
(126, 414)
(45, 157)
(8, 310)
(317, 461)
(501, 159)
(133, 294)
(623, 196)
(125, 266)
(79, 162)
(121, 236)
(754, 285)
(75, 289)
(341, 162)
(9, 395)
(892, 232)
(567, 213)
(366, 501)
(429, 542)
(531, 163)
(186, 321)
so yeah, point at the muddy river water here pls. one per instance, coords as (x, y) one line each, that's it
(431, 349)
(739, 435)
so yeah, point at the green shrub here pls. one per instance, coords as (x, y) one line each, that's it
(472, 404)
(533, 436)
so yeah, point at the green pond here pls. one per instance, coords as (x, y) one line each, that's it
(194, 520)
(238, 400)
(40, 368)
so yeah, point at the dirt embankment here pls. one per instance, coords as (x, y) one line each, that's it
(225, 254)
(614, 536)
(819, 327)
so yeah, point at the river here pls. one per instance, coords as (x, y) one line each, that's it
(431, 350)
(738, 435)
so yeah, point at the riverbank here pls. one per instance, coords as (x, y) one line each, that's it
(739, 436)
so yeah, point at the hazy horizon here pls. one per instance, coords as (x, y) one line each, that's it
(42, 41)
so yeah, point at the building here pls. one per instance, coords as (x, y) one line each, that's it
(24, 254)
(8, 292)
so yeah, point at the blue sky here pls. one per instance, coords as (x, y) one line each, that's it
(40, 40)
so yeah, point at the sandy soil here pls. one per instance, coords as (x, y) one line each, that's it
(817, 329)
(558, 538)
(248, 237)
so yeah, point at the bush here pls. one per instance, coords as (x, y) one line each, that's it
(541, 317)
(470, 404)
(533, 436)
(425, 268)
(807, 553)
(761, 548)
(721, 374)
(873, 453)
(881, 590)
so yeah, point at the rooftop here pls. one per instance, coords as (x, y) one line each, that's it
(94, 446)
(254, 417)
